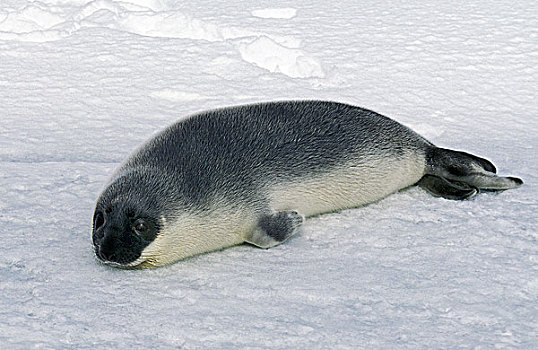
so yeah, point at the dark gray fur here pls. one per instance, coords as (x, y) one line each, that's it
(232, 149)
(236, 151)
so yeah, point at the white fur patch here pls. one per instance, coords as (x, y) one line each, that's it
(196, 232)
(348, 186)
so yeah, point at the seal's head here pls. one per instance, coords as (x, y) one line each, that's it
(127, 219)
(121, 233)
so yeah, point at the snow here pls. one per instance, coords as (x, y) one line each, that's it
(83, 83)
(267, 54)
(282, 13)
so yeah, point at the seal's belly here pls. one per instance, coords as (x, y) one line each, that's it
(347, 186)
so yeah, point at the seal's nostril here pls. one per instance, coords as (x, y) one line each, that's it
(97, 240)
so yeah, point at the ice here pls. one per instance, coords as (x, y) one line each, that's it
(83, 83)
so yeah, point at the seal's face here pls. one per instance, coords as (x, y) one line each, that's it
(120, 234)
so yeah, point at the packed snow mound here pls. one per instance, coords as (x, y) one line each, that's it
(36, 21)
(55, 20)
(267, 54)
(50, 20)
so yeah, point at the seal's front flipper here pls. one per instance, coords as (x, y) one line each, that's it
(275, 228)
(441, 187)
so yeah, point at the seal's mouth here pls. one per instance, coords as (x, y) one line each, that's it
(117, 264)
(131, 266)
(139, 264)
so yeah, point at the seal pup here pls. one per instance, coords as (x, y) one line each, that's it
(252, 173)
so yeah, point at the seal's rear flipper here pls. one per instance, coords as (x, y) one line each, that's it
(467, 168)
(275, 228)
(440, 187)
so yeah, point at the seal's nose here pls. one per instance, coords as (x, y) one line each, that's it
(105, 254)
(105, 248)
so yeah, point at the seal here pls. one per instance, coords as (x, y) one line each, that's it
(252, 173)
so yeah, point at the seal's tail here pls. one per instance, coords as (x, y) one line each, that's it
(459, 175)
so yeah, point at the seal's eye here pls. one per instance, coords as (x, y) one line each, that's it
(145, 229)
(140, 226)
(98, 220)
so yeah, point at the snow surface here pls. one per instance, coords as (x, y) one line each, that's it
(284, 13)
(82, 83)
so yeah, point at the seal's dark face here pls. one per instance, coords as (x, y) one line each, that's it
(120, 234)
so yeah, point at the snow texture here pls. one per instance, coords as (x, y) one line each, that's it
(284, 13)
(83, 83)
